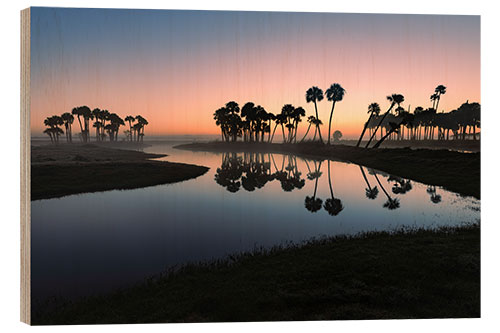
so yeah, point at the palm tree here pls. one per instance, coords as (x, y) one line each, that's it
(53, 131)
(334, 94)
(313, 204)
(279, 120)
(434, 98)
(221, 117)
(315, 94)
(310, 120)
(116, 122)
(79, 111)
(297, 118)
(250, 112)
(318, 123)
(332, 205)
(130, 120)
(373, 110)
(87, 116)
(68, 121)
(97, 114)
(288, 111)
(394, 99)
(141, 122)
(440, 90)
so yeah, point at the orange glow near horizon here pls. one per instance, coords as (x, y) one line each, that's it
(178, 88)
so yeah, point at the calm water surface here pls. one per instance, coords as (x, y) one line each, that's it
(91, 243)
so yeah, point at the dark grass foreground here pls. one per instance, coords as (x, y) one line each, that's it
(457, 172)
(379, 275)
(61, 170)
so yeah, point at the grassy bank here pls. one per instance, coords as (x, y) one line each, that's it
(58, 170)
(457, 145)
(457, 172)
(406, 274)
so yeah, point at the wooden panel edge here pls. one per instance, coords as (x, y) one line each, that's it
(25, 167)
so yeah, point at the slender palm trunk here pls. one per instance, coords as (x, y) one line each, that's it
(378, 125)
(385, 137)
(330, 180)
(330, 122)
(309, 127)
(274, 130)
(81, 127)
(366, 179)
(383, 189)
(364, 129)
(317, 125)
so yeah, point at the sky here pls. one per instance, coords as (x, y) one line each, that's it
(175, 68)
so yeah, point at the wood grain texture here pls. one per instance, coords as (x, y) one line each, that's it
(25, 168)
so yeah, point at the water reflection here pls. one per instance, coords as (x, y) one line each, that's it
(435, 197)
(93, 242)
(252, 171)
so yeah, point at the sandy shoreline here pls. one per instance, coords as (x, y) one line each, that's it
(59, 170)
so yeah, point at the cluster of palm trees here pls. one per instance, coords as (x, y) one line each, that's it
(106, 124)
(254, 123)
(423, 124)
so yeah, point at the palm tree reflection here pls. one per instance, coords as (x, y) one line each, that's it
(391, 203)
(333, 205)
(313, 204)
(401, 186)
(290, 176)
(435, 198)
(252, 171)
(370, 192)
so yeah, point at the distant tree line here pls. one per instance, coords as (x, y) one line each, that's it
(106, 124)
(423, 124)
(253, 123)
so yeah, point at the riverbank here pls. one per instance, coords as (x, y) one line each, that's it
(59, 170)
(456, 145)
(454, 171)
(378, 275)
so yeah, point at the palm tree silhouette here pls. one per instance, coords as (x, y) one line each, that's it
(394, 99)
(310, 120)
(68, 121)
(130, 120)
(313, 204)
(373, 110)
(332, 205)
(97, 114)
(370, 192)
(334, 94)
(85, 113)
(141, 121)
(434, 98)
(298, 113)
(315, 94)
(435, 198)
(440, 90)
(318, 123)
(391, 203)
(53, 131)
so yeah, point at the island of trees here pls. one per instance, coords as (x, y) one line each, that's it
(106, 124)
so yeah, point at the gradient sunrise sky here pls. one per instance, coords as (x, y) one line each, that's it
(175, 68)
